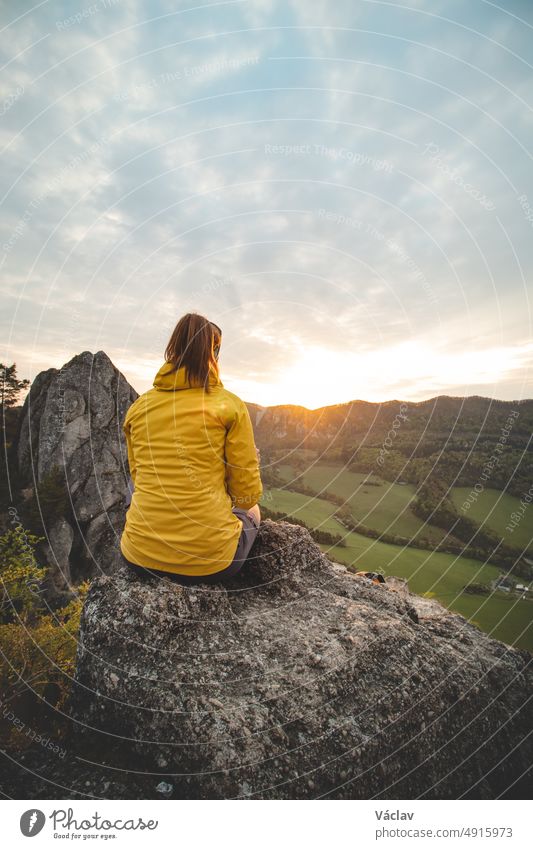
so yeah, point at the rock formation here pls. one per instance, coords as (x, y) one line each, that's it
(297, 680)
(72, 419)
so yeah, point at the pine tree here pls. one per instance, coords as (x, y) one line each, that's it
(10, 385)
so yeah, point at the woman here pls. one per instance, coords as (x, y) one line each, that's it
(194, 511)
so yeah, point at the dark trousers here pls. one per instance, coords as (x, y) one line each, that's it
(190, 580)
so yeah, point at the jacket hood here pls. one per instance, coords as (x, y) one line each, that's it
(171, 381)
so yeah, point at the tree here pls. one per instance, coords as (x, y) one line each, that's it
(10, 385)
(37, 644)
(10, 389)
(20, 575)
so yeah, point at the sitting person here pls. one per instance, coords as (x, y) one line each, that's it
(195, 481)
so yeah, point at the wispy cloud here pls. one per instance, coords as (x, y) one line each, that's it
(337, 185)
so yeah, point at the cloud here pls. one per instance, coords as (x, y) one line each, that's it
(157, 150)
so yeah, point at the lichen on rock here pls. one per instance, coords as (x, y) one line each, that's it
(296, 680)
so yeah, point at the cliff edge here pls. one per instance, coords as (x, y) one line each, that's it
(297, 680)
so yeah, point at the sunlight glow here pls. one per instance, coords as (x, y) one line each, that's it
(409, 371)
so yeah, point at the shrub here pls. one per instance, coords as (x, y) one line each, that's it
(20, 575)
(38, 645)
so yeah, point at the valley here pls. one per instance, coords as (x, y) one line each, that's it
(401, 511)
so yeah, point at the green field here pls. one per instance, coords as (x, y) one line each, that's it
(493, 509)
(385, 508)
(435, 573)
(315, 512)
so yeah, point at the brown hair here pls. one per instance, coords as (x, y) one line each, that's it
(194, 343)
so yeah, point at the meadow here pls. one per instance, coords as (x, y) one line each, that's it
(374, 502)
(494, 509)
(505, 616)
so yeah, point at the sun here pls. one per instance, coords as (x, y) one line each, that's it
(315, 378)
(410, 370)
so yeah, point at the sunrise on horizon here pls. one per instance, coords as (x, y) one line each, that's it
(365, 234)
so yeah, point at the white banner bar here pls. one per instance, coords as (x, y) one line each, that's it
(251, 824)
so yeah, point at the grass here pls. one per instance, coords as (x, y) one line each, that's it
(436, 574)
(315, 512)
(494, 508)
(385, 508)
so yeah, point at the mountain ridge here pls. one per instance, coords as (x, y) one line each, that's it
(391, 401)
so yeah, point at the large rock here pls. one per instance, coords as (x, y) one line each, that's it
(57, 550)
(297, 680)
(72, 419)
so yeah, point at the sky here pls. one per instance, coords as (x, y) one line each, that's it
(345, 188)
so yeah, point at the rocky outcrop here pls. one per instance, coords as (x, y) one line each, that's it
(72, 419)
(296, 680)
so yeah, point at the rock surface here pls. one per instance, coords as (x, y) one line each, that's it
(297, 680)
(72, 418)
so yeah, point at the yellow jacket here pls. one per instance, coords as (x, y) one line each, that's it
(192, 458)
